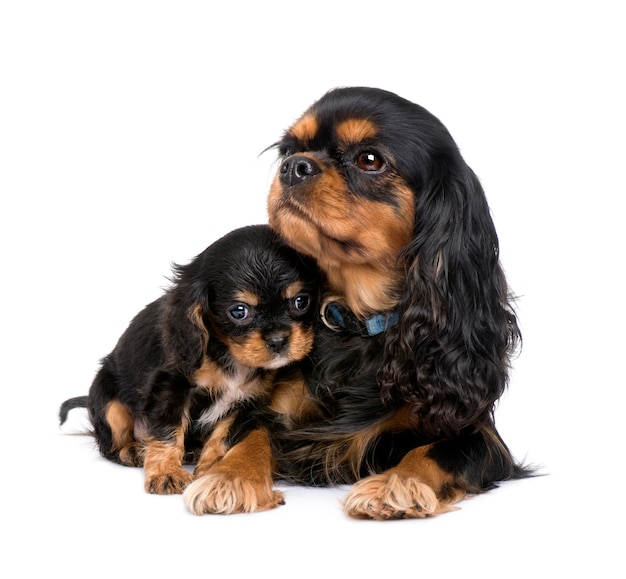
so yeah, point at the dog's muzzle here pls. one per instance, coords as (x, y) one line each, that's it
(296, 169)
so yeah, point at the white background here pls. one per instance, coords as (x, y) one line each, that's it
(131, 136)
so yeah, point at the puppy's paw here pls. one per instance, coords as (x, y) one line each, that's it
(131, 454)
(169, 483)
(392, 496)
(221, 493)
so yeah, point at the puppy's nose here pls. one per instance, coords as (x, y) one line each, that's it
(276, 343)
(296, 169)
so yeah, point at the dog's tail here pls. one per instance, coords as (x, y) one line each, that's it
(70, 404)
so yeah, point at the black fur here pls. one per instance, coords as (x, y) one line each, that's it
(153, 370)
(446, 361)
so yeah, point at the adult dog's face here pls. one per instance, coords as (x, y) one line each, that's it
(338, 194)
(345, 191)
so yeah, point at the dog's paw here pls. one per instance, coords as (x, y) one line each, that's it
(171, 483)
(392, 496)
(221, 493)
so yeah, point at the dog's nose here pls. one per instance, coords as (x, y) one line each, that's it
(276, 343)
(296, 169)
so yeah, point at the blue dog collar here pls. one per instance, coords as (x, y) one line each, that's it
(339, 318)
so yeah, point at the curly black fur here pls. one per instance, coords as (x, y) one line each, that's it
(445, 362)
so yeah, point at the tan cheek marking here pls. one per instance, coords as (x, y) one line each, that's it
(251, 352)
(300, 341)
(305, 129)
(356, 130)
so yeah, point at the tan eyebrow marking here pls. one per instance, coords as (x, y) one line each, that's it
(356, 130)
(305, 129)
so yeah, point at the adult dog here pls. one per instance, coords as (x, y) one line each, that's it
(418, 328)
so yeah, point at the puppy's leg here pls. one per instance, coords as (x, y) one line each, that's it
(163, 465)
(215, 447)
(124, 448)
(415, 488)
(113, 422)
(240, 483)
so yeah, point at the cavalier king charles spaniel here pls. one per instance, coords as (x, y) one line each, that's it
(417, 329)
(184, 379)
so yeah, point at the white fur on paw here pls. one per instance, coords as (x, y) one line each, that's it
(390, 496)
(217, 493)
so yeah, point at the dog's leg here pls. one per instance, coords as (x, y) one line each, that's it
(240, 483)
(163, 464)
(430, 479)
(416, 488)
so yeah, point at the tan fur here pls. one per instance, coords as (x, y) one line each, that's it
(355, 130)
(355, 241)
(122, 426)
(416, 488)
(195, 315)
(215, 447)
(305, 128)
(210, 375)
(253, 351)
(247, 298)
(291, 400)
(240, 483)
(163, 462)
(293, 290)
(351, 449)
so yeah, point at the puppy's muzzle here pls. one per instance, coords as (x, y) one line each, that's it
(276, 343)
(297, 169)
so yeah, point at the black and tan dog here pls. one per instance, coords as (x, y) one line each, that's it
(418, 327)
(189, 368)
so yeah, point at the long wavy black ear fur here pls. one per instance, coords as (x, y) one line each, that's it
(185, 335)
(449, 354)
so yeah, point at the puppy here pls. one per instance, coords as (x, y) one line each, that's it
(191, 366)
(417, 328)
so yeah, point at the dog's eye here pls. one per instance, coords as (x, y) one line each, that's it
(370, 161)
(301, 303)
(240, 313)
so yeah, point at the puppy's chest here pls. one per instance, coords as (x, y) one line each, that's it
(227, 389)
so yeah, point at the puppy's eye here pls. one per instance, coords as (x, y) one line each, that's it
(241, 313)
(301, 303)
(370, 162)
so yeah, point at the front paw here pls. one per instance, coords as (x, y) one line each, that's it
(392, 496)
(171, 483)
(221, 493)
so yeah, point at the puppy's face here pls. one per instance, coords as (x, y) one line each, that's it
(262, 301)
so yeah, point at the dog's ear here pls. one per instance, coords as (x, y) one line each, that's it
(449, 353)
(185, 335)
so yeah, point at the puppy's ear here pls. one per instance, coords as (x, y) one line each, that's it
(449, 353)
(185, 335)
